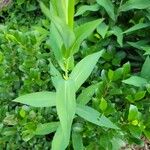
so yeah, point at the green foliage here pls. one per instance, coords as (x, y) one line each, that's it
(74, 74)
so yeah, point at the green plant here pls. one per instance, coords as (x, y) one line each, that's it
(65, 40)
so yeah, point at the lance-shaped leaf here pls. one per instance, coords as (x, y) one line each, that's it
(56, 43)
(84, 68)
(38, 99)
(71, 13)
(145, 69)
(135, 4)
(45, 10)
(64, 30)
(66, 105)
(82, 32)
(87, 94)
(59, 142)
(137, 27)
(102, 29)
(77, 141)
(85, 8)
(46, 128)
(108, 6)
(94, 116)
(135, 81)
(117, 31)
(55, 75)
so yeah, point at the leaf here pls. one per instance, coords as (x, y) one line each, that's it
(139, 95)
(56, 43)
(55, 75)
(66, 106)
(85, 8)
(145, 69)
(137, 27)
(103, 104)
(38, 99)
(94, 117)
(59, 142)
(70, 13)
(87, 94)
(135, 4)
(135, 81)
(82, 32)
(139, 44)
(77, 141)
(110, 74)
(65, 32)
(84, 68)
(102, 29)
(133, 113)
(45, 10)
(117, 31)
(126, 68)
(108, 6)
(46, 128)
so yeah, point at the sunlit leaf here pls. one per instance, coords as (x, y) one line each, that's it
(84, 68)
(94, 117)
(38, 99)
(135, 81)
(85, 8)
(108, 6)
(66, 105)
(77, 141)
(137, 27)
(46, 128)
(135, 4)
(145, 69)
(82, 32)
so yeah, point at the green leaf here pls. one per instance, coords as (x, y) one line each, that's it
(56, 43)
(145, 69)
(136, 81)
(77, 141)
(65, 32)
(135, 4)
(139, 95)
(46, 128)
(87, 94)
(94, 117)
(59, 142)
(55, 75)
(38, 99)
(133, 113)
(84, 68)
(137, 27)
(139, 44)
(85, 8)
(126, 68)
(103, 104)
(45, 10)
(117, 31)
(102, 29)
(82, 32)
(70, 13)
(117, 74)
(60, 19)
(66, 106)
(110, 74)
(108, 6)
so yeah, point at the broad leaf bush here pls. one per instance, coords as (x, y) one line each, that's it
(74, 74)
